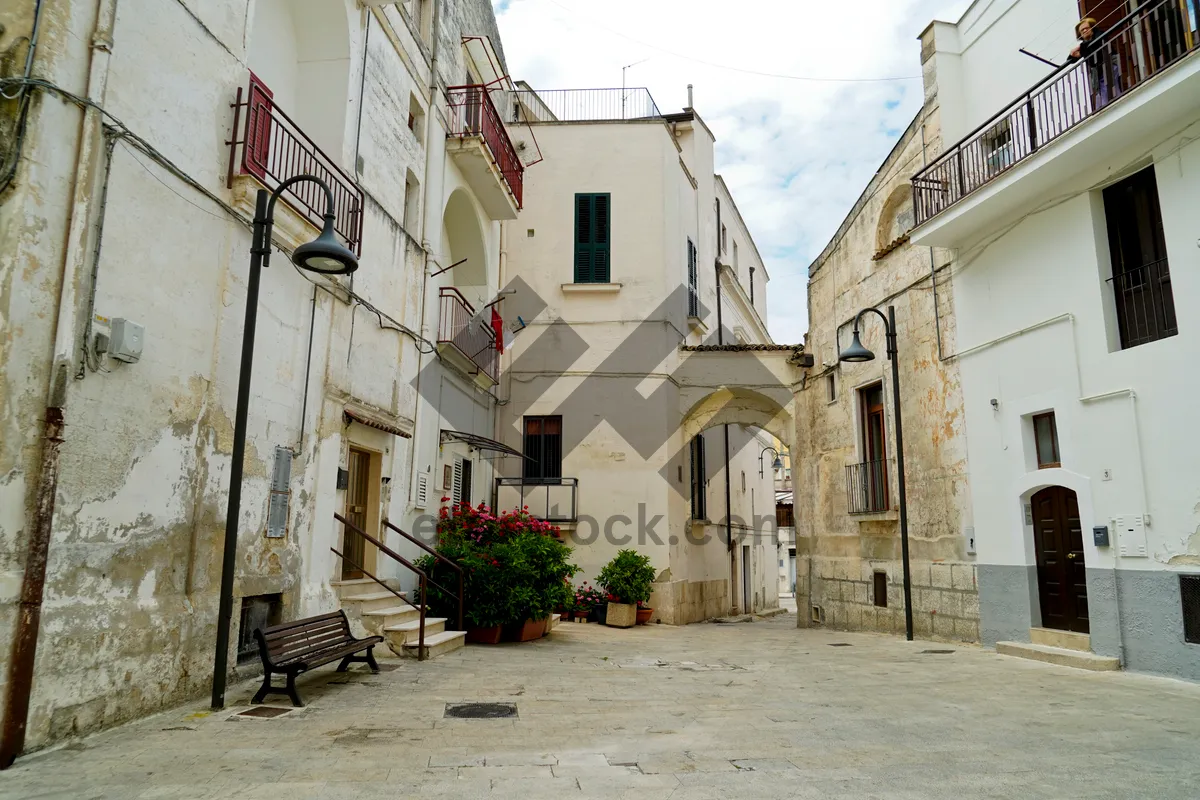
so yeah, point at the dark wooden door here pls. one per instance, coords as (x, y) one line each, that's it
(357, 492)
(1062, 580)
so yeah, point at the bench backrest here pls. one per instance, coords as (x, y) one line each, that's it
(303, 636)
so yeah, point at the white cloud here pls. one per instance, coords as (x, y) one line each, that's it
(796, 154)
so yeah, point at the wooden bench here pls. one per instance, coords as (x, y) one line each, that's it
(296, 647)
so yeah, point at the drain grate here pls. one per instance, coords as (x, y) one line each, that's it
(263, 712)
(480, 710)
(937, 652)
(841, 644)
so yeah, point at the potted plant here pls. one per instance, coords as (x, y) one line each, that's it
(627, 579)
(644, 612)
(587, 599)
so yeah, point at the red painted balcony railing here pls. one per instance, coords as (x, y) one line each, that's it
(1130, 51)
(273, 148)
(475, 340)
(472, 113)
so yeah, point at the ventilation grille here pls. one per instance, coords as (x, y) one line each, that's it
(1189, 594)
(422, 498)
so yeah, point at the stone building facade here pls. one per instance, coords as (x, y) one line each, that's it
(849, 568)
(121, 202)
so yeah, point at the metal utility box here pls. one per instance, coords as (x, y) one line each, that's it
(126, 340)
(1100, 536)
(1131, 536)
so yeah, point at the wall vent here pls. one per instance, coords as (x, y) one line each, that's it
(818, 615)
(1189, 595)
(422, 493)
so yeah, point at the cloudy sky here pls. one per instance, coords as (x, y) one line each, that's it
(795, 153)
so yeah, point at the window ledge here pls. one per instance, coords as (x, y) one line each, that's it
(591, 288)
(697, 324)
(878, 516)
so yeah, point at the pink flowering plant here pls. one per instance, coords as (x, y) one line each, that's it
(514, 566)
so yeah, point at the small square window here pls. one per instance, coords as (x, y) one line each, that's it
(1045, 435)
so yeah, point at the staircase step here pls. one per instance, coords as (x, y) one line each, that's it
(352, 586)
(1067, 640)
(375, 621)
(438, 644)
(373, 600)
(1058, 655)
(407, 632)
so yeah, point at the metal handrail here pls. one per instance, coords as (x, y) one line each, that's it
(387, 551)
(441, 558)
(1057, 103)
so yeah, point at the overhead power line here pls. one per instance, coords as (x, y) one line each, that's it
(744, 70)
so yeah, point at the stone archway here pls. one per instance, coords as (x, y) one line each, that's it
(463, 241)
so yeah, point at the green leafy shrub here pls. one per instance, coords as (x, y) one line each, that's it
(628, 577)
(514, 567)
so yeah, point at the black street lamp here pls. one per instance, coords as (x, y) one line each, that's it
(856, 353)
(776, 464)
(325, 255)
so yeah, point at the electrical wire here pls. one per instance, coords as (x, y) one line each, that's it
(745, 71)
(119, 131)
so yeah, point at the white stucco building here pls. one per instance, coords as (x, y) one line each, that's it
(619, 390)
(1071, 210)
(145, 130)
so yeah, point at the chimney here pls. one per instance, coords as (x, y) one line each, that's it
(689, 96)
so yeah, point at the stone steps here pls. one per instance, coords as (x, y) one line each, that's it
(373, 601)
(1067, 640)
(379, 619)
(438, 644)
(1061, 656)
(407, 632)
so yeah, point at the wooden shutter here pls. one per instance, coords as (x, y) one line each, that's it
(693, 282)
(256, 151)
(592, 238)
(456, 485)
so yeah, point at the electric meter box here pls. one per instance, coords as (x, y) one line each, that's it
(126, 340)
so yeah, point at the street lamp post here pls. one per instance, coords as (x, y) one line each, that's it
(856, 353)
(323, 255)
(776, 464)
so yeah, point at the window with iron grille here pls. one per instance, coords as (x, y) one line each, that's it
(1189, 595)
(592, 264)
(543, 449)
(1141, 276)
(693, 280)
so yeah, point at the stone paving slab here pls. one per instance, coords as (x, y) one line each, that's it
(758, 710)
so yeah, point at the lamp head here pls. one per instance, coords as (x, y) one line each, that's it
(325, 254)
(777, 463)
(856, 352)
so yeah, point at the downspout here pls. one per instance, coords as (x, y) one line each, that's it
(88, 160)
(725, 428)
(937, 317)
(426, 233)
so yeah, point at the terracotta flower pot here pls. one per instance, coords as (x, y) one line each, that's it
(644, 614)
(621, 615)
(484, 635)
(525, 631)
(546, 624)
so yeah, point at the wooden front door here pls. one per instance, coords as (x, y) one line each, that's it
(1058, 538)
(357, 497)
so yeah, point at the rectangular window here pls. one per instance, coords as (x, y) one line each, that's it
(752, 286)
(785, 515)
(1141, 277)
(463, 469)
(543, 449)
(735, 257)
(880, 589)
(693, 280)
(1045, 435)
(724, 239)
(831, 387)
(592, 238)
(699, 476)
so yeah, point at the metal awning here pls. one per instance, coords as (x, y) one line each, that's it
(375, 421)
(482, 443)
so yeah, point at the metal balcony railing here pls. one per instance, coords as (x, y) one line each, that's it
(472, 112)
(582, 105)
(1145, 305)
(474, 339)
(549, 499)
(867, 487)
(1129, 52)
(273, 148)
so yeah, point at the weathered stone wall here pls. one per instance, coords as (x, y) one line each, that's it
(129, 617)
(869, 264)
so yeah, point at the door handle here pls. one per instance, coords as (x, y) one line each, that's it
(1072, 555)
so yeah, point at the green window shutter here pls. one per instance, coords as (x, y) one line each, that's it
(592, 238)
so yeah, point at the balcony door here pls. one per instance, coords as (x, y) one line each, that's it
(543, 449)
(874, 446)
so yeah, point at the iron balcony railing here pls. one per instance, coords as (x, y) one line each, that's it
(1145, 305)
(474, 338)
(549, 499)
(1128, 53)
(272, 148)
(472, 112)
(867, 487)
(582, 105)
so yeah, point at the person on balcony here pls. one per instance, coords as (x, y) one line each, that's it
(1091, 51)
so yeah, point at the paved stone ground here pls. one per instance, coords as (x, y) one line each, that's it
(752, 710)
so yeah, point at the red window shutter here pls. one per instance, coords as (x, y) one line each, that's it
(256, 153)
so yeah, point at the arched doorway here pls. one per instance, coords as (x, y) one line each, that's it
(1061, 575)
(463, 243)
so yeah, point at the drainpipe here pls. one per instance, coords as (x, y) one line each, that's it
(88, 160)
(725, 428)
(426, 231)
(937, 317)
